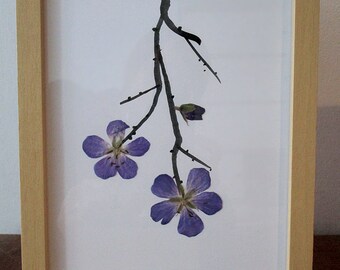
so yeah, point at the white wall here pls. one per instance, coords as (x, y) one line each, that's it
(9, 161)
(327, 207)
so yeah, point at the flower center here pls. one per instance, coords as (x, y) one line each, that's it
(117, 151)
(183, 202)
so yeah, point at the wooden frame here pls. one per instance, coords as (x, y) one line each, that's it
(32, 140)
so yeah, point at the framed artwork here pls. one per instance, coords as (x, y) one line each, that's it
(167, 134)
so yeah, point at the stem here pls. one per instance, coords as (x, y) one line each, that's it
(187, 36)
(205, 63)
(137, 96)
(175, 126)
(159, 69)
(165, 5)
(158, 81)
(186, 152)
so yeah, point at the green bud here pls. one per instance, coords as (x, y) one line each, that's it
(187, 108)
(191, 112)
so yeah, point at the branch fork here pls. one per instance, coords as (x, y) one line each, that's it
(159, 72)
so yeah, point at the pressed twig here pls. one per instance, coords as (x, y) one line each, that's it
(175, 125)
(158, 81)
(165, 5)
(193, 158)
(159, 71)
(205, 63)
(172, 109)
(187, 36)
(137, 96)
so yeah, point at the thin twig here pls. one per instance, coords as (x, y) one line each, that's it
(205, 63)
(187, 36)
(158, 81)
(165, 5)
(137, 96)
(175, 125)
(172, 108)
(186, 152)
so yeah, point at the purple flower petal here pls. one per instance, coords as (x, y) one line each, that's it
(164, 211)
(138, 147)
(189, 224)
(95, 146)
(127, 168)
(164, 187)
(198, 180)
(196, 114)
(105, 168)
(116, 129)
(208, 202)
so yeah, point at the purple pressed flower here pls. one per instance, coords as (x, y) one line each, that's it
(185, 203)
(115, 155)
(191, 112)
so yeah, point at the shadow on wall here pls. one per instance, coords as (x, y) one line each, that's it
(327, 199)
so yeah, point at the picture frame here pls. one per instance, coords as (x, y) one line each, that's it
(32, 128)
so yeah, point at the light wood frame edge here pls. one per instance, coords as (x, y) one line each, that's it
(32, 134)
(303, 133)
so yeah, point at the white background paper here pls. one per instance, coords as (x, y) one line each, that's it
(100, 52)
(9, 134)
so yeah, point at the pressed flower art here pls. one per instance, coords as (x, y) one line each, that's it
(185, 202)
(114, 154)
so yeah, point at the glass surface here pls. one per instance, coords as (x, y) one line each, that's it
(98, 54)
(9, 132)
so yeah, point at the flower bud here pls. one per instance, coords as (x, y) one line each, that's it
(191, 111)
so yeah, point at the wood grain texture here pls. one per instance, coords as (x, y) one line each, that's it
(306, 38)
(31, 135)
(10, 252)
